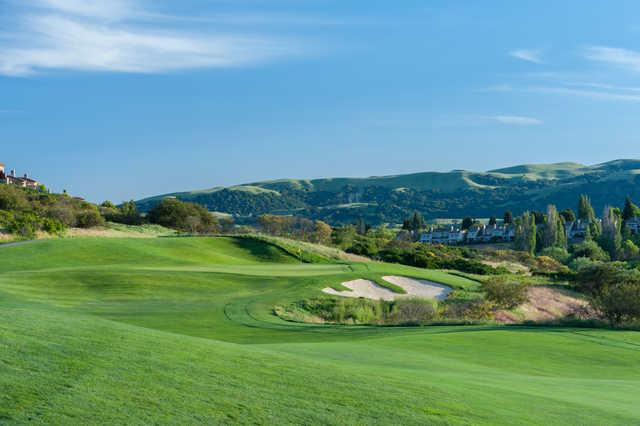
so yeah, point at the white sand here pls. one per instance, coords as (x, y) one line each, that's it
(414, 288)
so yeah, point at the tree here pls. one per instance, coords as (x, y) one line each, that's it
(493, 221)
(508, 217)
(585, 210)
(553, 233)
(568, 215)
(525, 235)
(129, 214)
(467, 222)
(629, 251)
(630, 210)
(186, 217)
(344, 236)
(322, 233)
(611, 238)
(550, 228)
(613, 289)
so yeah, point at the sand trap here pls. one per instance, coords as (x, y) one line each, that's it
(414, 288)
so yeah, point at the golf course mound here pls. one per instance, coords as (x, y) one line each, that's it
(182, 330)
(412, 288)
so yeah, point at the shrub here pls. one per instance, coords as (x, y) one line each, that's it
(89, 218)
(590, 250)
(614, 290)
(558, 253)
(580, 263)
(413, 311)
(505, 292)
(185, 217)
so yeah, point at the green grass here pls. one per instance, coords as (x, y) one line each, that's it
(181, 331)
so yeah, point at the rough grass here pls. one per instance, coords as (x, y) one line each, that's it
(182, 331)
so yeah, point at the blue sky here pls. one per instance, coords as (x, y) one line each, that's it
(122, 99)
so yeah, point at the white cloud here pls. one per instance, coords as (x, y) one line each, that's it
(516, 120)
(484, 120)
(585, 93)
(81, 35)
(625, 58)
(529, 55)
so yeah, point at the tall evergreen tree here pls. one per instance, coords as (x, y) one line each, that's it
(508, 217)
(493, 221)
(611, 238)
(551, 234)
(585, 210)
(526, 230)
(630, 210)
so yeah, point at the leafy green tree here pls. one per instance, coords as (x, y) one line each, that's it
(508, 217)
(629, 251)
(467, 223)
(568, 215)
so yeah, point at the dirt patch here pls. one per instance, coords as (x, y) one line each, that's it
(413, 287)
(546, 304)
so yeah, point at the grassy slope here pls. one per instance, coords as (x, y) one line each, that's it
(179, 330)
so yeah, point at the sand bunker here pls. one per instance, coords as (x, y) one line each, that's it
(414, 288)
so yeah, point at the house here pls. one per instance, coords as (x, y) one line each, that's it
(490, 233)
(498, 233)
(12, 179)
(577, 229)
(633, 225)
(474, 234)
(447, 235)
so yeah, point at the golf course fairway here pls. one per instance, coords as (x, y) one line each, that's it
(182, 331)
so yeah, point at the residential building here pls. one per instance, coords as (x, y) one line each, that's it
(12, 179)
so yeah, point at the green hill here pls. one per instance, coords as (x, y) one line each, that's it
(437, 195)
(181, 331)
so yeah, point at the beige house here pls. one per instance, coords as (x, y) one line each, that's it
(11, 179)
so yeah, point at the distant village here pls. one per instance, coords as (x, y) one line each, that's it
(13, 179)
(500, 233)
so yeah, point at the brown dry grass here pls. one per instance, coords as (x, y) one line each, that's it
(547, 304)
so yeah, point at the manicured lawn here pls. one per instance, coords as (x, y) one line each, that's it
(181, 330)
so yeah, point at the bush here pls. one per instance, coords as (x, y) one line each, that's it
(558, 253)
(614, 290)
(89, 218)
(581, 263)
(504, 292)
(590, 250)
(413, 311)
(185, 217)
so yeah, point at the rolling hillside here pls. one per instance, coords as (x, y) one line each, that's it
(437, 195)
(181, 331)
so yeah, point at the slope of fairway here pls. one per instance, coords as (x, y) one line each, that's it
(181, 331)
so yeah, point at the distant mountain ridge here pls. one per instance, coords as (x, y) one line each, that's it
(454, 194)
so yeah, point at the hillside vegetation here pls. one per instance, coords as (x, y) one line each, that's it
(452, 194)
(181, 330)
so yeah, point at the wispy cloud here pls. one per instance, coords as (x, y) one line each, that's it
(529, 55)
(91, 35)
(516, 120)
(483, 120)
(629, 59)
